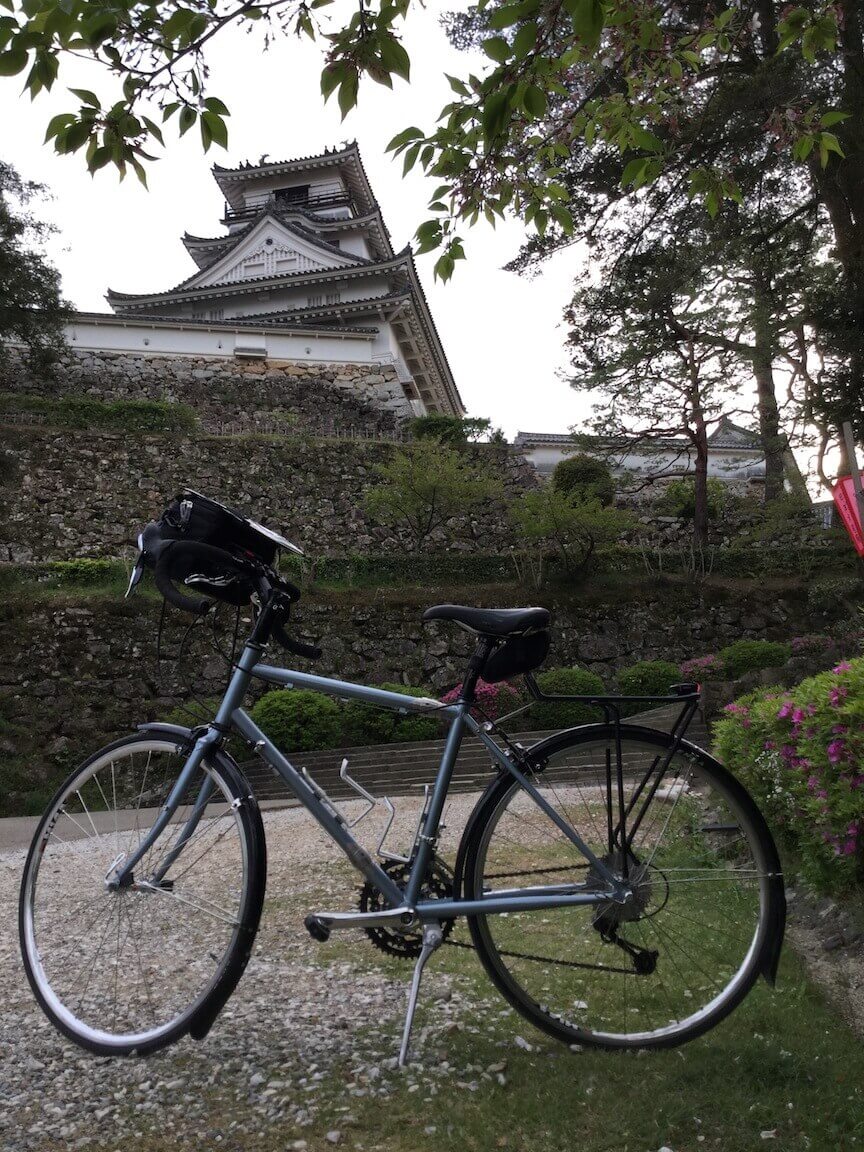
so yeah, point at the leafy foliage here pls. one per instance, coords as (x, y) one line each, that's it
(424, 486)
(751, 655)
(648, 678)
(32, 311)
(362, 724)
(493, 700)
(567, 682)
(297, 720)
(86, 412)
(568, 525)
(585, 477)
(452, 430)
(801, 754)
(84, 571)
(679, 499)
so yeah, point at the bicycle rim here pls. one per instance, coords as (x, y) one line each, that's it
(125, 971)
(687, 946)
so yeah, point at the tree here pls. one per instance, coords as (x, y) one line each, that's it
(424, 486)
(635, 77)
(567, 524)
(455, 430)
(31, 309)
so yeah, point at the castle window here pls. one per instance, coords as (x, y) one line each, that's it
(334, 297)
(315, 301)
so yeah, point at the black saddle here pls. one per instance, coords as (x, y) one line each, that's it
(498, 622)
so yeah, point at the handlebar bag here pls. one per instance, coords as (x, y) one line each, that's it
(191, 516)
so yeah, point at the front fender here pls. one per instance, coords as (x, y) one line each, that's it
(168, 730)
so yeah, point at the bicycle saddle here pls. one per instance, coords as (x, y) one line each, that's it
(491, 621)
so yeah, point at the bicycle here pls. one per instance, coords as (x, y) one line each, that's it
(620, 887)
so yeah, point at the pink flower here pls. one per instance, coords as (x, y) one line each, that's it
(843, 666)
(836, 750)
(785, 710)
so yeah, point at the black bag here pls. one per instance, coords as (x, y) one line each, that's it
(517, 655)
(191, 516)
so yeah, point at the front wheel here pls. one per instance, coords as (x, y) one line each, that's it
(131, 970)
(706, 911)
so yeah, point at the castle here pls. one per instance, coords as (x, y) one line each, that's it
(305, 273)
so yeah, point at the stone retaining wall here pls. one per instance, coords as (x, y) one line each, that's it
(232, 395)
(74, 676)
(70, 494)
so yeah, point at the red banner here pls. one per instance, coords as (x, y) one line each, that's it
(847, 506)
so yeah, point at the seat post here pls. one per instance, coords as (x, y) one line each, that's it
(476, 664)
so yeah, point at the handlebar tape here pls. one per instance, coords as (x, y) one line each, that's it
(196, 605)
(311, 651)
(179, 559)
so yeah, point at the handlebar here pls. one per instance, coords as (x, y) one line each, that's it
(181, 559)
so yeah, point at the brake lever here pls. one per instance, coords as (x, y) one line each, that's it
(135, 578)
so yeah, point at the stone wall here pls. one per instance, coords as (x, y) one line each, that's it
(231, 395)
(75, 675)
(70, 494)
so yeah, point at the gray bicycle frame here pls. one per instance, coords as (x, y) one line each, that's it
(231, 716)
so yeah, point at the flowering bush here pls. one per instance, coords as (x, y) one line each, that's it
(801, 753)
(812, 645)
(493, 700)
(702, 668)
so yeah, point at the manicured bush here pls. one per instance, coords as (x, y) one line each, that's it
(702, 668)
(750, 655)
(85, 570)
(801, 753)
(648, 678)
(363, 724)
(585, 477)
(569, 681)
(297, 720)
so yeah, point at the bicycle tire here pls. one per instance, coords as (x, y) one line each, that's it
(759, 957)
(57, 859)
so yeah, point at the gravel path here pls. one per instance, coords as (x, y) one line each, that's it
(303, 1032)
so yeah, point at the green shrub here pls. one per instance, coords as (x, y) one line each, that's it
(828, 595)
(801, 753)
(679, 498)
(85, 570)
(648, 678)
(363, 724)
(297, 720)
(750, 655)
(585, 477)
(453, 430)
(88, 413)
(567, 681)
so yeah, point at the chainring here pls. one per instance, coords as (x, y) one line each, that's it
(406, 945)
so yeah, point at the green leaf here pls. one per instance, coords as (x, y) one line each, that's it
(497, 49)
(13, 61)
(394, 57)
(403, 138)
(588, 20)
(410, 158)
(524, 40)
(495, 114)
(56, 123)
(188, 116)
(217, 128)
(831, 118)
(212, 104)
(458, 86)
(154, 129)
(633, 171)
(331, 77)
(509, 14)
(534, 101)
(86, 97)
(645, 140)
(348, 91)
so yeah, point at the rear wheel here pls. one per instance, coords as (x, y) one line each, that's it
(129, 970)
(707, 909)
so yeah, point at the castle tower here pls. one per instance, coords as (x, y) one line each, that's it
(304, 271)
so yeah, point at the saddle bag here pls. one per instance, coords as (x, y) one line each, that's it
(517, 655)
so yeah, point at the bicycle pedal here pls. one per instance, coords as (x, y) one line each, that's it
(317, 929)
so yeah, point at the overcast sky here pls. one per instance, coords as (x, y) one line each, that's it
(502, 334)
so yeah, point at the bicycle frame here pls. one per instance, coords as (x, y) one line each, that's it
(231, 716)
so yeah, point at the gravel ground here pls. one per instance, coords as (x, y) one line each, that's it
(302, 1034)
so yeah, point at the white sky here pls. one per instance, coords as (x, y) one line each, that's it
(502, 334)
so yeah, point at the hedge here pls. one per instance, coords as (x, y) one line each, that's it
(801, 753)
(752, 655)
(567, 681)
(88, 413)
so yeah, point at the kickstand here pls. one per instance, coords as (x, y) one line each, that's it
(432, 939)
